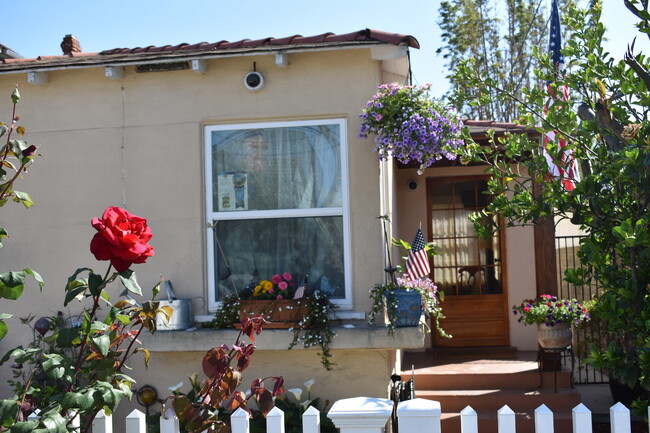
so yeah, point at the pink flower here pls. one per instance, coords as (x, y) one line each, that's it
(283, 285)
(286, 276)
(279, 297)
(275, 279)
(271, 290)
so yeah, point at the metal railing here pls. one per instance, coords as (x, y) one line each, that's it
(566, 250)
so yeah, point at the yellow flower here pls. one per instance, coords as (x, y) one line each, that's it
(267, 285)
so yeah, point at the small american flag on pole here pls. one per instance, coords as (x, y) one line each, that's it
(300, 291)
(568, 170)
(417, 262)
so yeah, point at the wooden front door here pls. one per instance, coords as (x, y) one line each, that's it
(469, 270)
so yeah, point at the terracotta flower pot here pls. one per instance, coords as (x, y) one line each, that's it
(554, 337)
(283, 313)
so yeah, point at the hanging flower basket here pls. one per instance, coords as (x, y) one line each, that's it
(411, 126)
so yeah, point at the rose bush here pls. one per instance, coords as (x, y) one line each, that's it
(121, 238)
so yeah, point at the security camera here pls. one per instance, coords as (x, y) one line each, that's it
(412, 185)
(254, 81)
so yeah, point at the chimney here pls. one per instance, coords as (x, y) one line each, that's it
(70, 45)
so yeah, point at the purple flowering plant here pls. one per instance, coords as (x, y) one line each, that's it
(410, 125)
(551, 311)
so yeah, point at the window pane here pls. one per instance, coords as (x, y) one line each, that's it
(295, 167)
(259, 248)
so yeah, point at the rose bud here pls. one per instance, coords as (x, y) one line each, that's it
(30, 151)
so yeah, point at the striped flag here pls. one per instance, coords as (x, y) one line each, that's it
(568, 170)
(417, 262)
(300, 291)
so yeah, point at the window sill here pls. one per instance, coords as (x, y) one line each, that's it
(353, 335)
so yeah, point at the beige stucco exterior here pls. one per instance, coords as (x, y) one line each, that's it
(137, 142)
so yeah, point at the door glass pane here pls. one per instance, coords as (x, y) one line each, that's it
(250, 250)
(468, 265)
(276, 168)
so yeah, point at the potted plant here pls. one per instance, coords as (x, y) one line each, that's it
(391, 297)
(308, 317)
(410, 125)
(553, 317)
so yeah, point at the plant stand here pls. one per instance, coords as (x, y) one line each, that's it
(553, 356)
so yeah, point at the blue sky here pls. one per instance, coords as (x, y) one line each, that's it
(36, 27)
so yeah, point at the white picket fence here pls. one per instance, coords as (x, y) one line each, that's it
(370, 415)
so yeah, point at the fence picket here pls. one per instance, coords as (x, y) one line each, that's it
(419, 415)
(135, 422)
(275, 421)
(619, 418)
(103, 423)
(311, 420)
(506, 420)
(169, 425)
(543, 419)
(239, 422)
(468, 420)
(581, 417)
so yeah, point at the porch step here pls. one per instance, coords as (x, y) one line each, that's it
(488, 379)
(519, 400)
(488, 375)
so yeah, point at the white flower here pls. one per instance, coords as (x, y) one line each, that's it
(176, 387)
(297, 392)
(309, 384)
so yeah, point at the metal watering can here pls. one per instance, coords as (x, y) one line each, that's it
(181, 317)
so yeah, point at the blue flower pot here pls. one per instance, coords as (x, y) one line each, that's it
(409, 307)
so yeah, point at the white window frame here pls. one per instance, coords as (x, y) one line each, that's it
(343, 211)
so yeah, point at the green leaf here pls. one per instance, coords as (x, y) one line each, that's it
(68, 337)
(130, 282)
(155, 290)
(12, 285)
(73, 277)
(3, 234)
(4, 316)
(73, 293)
(53, 366)
(4, 329)
(95, 283)
(36, 276)
(24, 198)
(102, 342)
(8, 412)
(24, 427)
(80, 400)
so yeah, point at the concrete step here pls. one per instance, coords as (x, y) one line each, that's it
(483, 375)
(519, 400)
(487, 422)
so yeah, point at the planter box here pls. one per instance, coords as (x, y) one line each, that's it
(284, 313)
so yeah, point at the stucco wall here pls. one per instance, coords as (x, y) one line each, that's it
(137, 142)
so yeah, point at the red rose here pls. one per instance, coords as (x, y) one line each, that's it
(121, 238)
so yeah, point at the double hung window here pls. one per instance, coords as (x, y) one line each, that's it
(276, 202)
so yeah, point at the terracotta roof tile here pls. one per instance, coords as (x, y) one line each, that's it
(152, 52)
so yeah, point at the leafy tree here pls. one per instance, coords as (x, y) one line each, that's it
(502, 48)
(606, 127)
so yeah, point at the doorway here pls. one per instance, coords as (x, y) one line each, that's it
(470, 270)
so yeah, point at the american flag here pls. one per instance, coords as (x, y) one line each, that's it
(568, 170)
(300, 291)
(417, 263)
